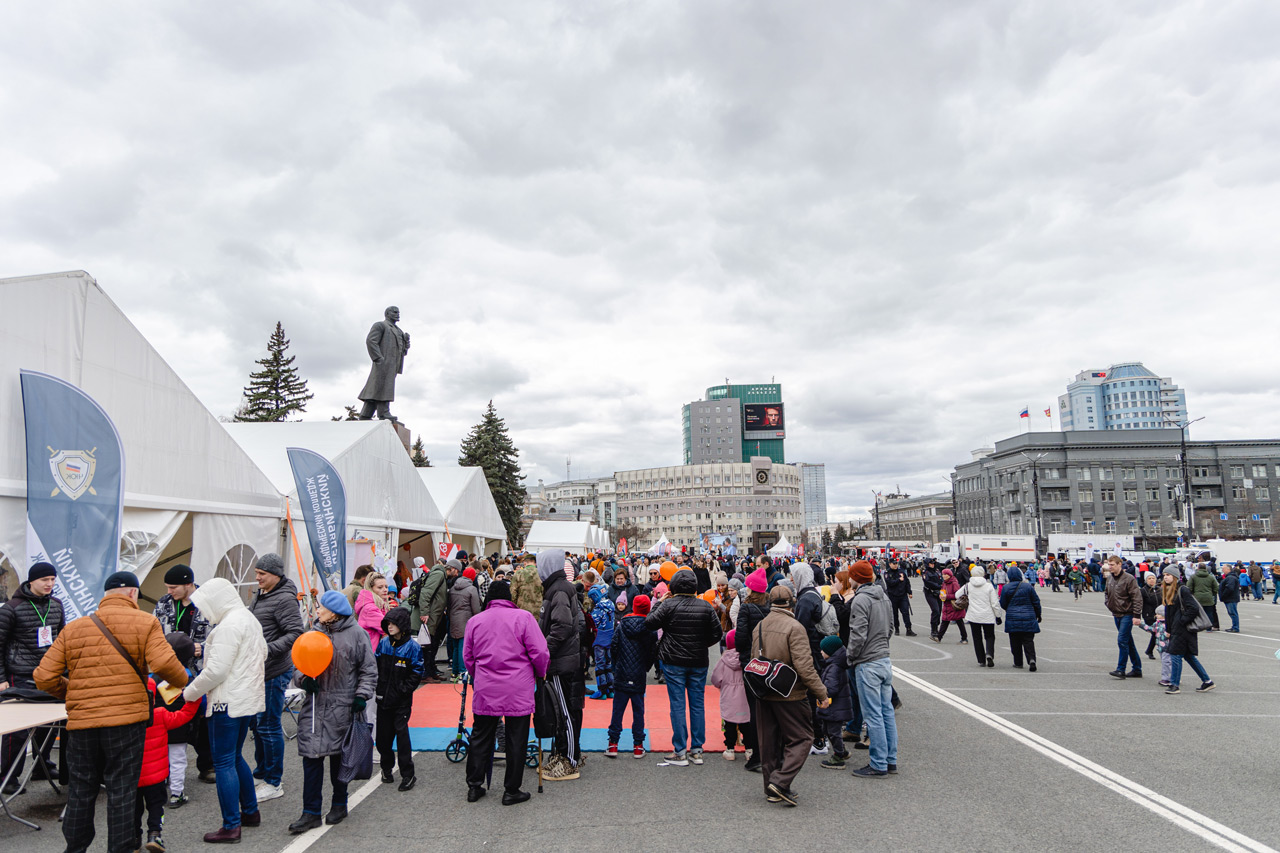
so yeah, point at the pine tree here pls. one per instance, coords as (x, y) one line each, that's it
(419, 454)
(826, 541)
(351, 415)
(489, 446)
(840, 535)
(275, 391)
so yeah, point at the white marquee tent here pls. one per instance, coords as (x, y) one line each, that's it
(572, 536)
(387, 502)
(191, 493)
(470, 512)
(661, 547)
(783, 549)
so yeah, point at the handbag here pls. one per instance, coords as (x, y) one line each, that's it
(548, 718)
(357, 750)
(767, 678)
(1201, 621)
(960, 602)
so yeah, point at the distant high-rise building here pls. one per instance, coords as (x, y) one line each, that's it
(813, 479)
(1123, 396)
(733, 423)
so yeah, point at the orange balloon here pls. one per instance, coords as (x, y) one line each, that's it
(667, 570)
(312, 653)
(708, 596)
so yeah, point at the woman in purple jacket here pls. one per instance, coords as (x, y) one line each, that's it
(503, 650)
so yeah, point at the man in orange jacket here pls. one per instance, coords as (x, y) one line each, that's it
(108, 707)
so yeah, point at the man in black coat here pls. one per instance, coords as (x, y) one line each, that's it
(29, 623)
(898, 587)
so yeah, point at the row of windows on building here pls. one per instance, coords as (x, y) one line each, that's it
(1149, 473)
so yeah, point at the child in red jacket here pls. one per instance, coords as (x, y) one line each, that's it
(152, 789)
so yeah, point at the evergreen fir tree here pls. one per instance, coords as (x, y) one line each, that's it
(276, 391)
(826, 541)
(840, 535)
(419, 454)
(489, 446)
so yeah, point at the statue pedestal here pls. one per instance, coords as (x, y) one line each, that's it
(406, 437)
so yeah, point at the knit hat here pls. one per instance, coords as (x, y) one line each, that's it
(454, 564)
(498, 591)
(729, 637)
(640, 605)
(179, 574)
(1170, 570)
(757, 582)
(862, 572)
(335, 602)
(781, 596)
(469, 573)
(41, 570)
(1160, 611)
(830, 645)
(183, 647)
(122, 580)
(270, 563)
(978, 572)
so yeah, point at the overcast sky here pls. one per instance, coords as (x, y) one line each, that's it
(917, 217)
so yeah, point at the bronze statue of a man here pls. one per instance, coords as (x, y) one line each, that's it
(387, 343)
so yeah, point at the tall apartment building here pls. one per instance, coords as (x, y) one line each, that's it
(733, 423)
(813, 478)
(1123, 396)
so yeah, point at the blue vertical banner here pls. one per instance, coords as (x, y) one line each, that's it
(324, 512)
(75, 488)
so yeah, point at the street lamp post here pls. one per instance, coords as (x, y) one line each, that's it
(877, 513)
(1188, 507)
(1035, 487)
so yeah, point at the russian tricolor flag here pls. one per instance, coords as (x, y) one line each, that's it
(1026, 412)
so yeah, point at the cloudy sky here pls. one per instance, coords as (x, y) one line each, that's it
(918, 217)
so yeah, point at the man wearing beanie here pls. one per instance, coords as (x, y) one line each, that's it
(108, 707)
(870, 626)
(275, 606)
(784, 723)
(29, 623)
(178, 615)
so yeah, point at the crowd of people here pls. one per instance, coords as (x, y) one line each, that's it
(804, 666)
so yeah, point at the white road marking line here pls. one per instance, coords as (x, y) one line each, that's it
(1174, 812)
(1126, 714)
(1218, 692)
(302, 842)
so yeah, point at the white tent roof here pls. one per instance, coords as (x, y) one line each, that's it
(782, 548)
(463, 495)
(383, 487)
(572, 536)
(657, 546)
(178, 458)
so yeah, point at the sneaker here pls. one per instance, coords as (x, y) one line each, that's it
(870, 772)
(835, 762)
(560, 770)
(772, 798)
(783, 794)
(1172, 689)
(155, 844)
(848, 735)
(597, 696)
(911, 633)
(612, 751)
(267, 791)
(1031, 666)
(819, 750)
(677, 759)
(1163, 683)
(728, 755)
(893, 770)
(638, 752)
(407, 783)
(208, 777)
(964, 642)
(1206, 687)
(1133, 673)
(695, 757)
(387, 777)
(177, 801)
(1116, 673)
(862, 744)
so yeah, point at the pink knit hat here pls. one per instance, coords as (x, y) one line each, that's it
(756, 581)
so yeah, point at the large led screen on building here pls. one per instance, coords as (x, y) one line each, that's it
(764, 418)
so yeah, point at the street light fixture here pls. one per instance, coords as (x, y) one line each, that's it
(1035, 487)
(1188, 510)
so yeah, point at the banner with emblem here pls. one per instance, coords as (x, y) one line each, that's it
(75, 488)
(324, 513)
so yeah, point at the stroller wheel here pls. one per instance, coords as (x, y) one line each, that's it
(456, 751)
(531, 756)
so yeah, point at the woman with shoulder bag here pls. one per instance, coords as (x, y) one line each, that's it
(982, 614)
(1180, 610)
(950, 612)
(1021, 606)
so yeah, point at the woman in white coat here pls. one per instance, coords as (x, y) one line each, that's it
(982, 615)
(235, 654)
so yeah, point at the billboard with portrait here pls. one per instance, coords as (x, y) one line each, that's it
(764, 418)
(725, 543)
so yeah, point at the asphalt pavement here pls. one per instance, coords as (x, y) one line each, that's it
(1066, 758)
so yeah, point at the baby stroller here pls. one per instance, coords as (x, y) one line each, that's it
(457, 749)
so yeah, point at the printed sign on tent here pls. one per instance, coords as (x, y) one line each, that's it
(75, 488)
(324, 513)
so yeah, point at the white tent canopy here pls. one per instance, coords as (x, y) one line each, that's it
(782, 549)
(190, 495)
(463, 495)
(386, 499)
(662, 546)
(572, 536)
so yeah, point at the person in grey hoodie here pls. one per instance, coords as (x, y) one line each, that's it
(870, 626)
(275, 606)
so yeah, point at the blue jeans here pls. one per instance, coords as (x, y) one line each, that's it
(235, 780)
(1233, 610)
(1175, 669)
(313, 784)
(268, 734)
(1276, 581)
(456, 665)
(691, 680)
(1257, 591)
(1124, 639)
(875, 695)
(620, 700)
